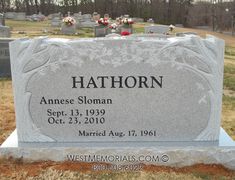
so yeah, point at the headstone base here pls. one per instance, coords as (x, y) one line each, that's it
(177, 156)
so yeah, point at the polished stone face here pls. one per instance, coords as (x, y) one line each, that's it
(118, 89)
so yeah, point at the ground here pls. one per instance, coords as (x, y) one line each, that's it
(18, 169)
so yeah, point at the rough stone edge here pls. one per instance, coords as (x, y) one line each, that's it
(178, 156)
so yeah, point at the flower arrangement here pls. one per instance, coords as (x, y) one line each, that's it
(113, 26)
(69, 21)
(127, 21)
(103, 21)
(119, 20)
(171, 27)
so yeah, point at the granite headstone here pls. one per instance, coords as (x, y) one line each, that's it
(159, 29)
(56, 22)
(118, 90)
(119, 102)
(87, 21)
(10, 15)
(2, 19)
(69, 30)
(5, 31)
(20, 16)
(5, 67)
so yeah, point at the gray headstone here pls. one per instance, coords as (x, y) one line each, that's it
(37, 17)
(100, 31)
(5, 67)
(10, 15)
(5, 31)
(87, 24)
(56, 22)
(118, 90)
(20, 16)
(2, 19)
(96, 16)
(106, 16)
(159, 29)
(55, 15)
(87, 21)
(86, 17)
(68, 29)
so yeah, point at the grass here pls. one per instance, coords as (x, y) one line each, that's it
(29, 29)
(229, 102)
(33, 29)
(230, 51)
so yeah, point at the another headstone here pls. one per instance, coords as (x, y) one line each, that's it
(2, 19)
(106, 16)
(78, 18)
(10, 15)
(58, 15)
(20, 16)
(5, 67)
(69, 30)
(68, 25)
(159, 29)
(100, 31)
(86, 17)
(37, 17)
(5, 31)
(56, 22)
(87, 21)
(96, 16)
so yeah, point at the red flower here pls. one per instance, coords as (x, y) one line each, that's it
(125, 33)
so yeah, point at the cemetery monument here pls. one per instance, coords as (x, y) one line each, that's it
(87, 21)
(119, 101)
(68, 25)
